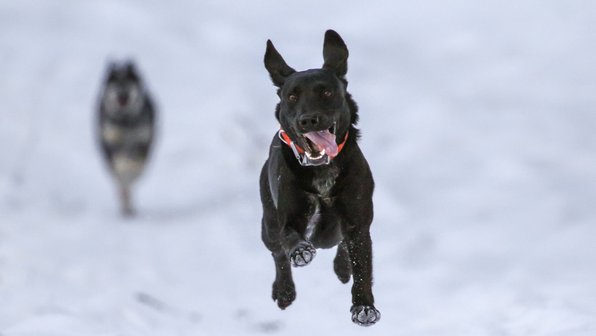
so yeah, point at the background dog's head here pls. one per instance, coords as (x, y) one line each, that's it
(123, 93)
(314, 109)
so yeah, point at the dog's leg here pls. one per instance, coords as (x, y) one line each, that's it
(359, 246)
(300, 251)
(341, 263)
(126, 168)
(356, 231)
(125, 201)
(297, 212)
(284, 290)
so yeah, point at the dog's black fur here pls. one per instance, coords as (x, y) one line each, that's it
(126, 127)
(309, 207)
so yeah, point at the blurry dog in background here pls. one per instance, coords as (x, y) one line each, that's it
(126, 127)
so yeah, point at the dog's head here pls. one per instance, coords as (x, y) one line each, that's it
(123, 93)
(315, 109)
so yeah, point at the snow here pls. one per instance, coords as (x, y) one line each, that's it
(477, 120)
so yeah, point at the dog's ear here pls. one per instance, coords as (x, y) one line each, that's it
(131, 69)
(276, 66)
(111, 69)
(335, 53)
(111, 66)
(129, 66)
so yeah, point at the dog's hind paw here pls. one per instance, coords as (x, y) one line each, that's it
(342, 268)
(343, 273)
(284, 295)
(303, 255)
(365, 315)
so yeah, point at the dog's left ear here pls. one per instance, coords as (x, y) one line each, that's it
(131, 69)
(335, 53)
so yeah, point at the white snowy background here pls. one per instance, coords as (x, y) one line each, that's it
(478, 121)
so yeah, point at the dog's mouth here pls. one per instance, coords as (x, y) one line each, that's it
(122, 99)
(320, 143)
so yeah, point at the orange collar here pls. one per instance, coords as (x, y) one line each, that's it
(299, 151)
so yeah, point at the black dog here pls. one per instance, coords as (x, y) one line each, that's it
(126, 127)
(316, 186)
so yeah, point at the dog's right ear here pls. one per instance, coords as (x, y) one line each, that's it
(111, 68)
(276, 66)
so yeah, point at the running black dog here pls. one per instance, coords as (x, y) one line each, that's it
(126, 127)
(316, 186)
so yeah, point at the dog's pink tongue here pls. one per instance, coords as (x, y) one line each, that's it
(324, 140)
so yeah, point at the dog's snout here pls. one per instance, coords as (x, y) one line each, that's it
(309, 121)
(123, 99)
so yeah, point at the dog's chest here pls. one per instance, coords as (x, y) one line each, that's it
(115, 134)
(324, 180)
(322, 183)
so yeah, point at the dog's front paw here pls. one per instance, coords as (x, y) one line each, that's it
(365, 315)
(303, 254)
(284, 293)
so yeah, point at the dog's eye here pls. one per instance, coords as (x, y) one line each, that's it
(292, 98)
(327, 93)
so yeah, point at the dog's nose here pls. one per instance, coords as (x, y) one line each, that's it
(123, 99)
(309, 121)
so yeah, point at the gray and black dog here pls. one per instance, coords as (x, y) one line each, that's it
(316, 186)
(126, 127)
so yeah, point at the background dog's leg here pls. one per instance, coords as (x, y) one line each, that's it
(360, 253)
(341, 263)
(125, 201)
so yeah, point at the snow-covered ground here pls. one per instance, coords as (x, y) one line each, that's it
(478, 121)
